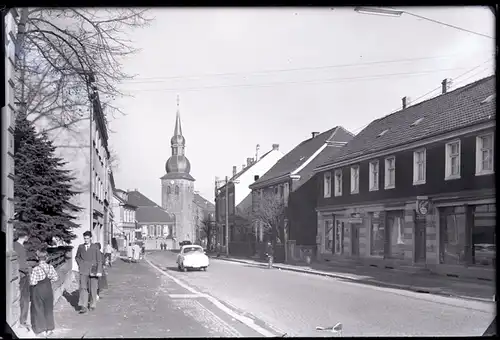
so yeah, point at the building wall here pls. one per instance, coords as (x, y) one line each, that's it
(181, 205)
(74, 147)
(8, 121)
(301, 212)
(435, 174)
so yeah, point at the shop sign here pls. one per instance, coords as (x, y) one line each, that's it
(355, 220)
(376, 214)
(422, 205)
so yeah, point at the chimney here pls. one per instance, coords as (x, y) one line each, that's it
(314, 134)
(257, 152)
(276, 147)
(446, 85)
(256, 177)
(234, 170)
(406, 102)
(242, 166)
(249, 161)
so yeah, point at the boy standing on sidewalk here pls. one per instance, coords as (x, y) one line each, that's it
(24, 282)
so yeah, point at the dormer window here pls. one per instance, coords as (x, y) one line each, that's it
(418, 121)
(382, 133)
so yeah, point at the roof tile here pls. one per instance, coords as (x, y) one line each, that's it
(453, 110)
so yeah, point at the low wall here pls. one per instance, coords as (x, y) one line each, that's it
(246, 249)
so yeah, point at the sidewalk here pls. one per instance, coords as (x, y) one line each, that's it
(421, 283)
(136, 304)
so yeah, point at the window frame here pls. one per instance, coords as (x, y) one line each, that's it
(386, 172)
(327, 189)
(448, 167)
(416, 180)
(352, 177)
(337, 189)
(371, 177)
(479, 161)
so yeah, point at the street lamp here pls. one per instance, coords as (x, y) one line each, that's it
(397, 13)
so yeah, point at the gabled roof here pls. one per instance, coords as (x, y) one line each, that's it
(150, 214)
(297, 157)
(242, 171)
(454, 110)
(203, 203)
(139, 200)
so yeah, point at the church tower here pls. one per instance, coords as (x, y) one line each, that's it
(177, 186)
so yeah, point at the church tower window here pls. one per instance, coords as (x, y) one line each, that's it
(177, 190)
(169, 190)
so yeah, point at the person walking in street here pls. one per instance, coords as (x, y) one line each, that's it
(108, 254)
(42, 296)
(89, 260)
(24, 283)
(137, 252)
(270, 255)
(130, 252)
(102, 282)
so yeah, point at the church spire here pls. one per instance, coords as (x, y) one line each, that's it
(178, 128)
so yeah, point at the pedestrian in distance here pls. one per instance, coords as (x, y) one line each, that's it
(161, 246)
(89, 260)
(42, 296)
(270, 255)
(130, 252)
(24, 274)
(136, 252)
(108, 254)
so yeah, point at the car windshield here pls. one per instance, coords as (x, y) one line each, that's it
(193, 250)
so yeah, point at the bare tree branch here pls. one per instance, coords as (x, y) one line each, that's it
(59, 45)
(268, 211)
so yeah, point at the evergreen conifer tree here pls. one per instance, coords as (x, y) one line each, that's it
(42, 188)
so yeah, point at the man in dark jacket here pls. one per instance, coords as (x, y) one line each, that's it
(24, 271)
(89, 260)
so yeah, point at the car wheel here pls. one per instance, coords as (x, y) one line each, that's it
(204, 269)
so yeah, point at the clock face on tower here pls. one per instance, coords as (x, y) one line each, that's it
(172, 182)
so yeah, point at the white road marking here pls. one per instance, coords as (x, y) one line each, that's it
(244, 320)
(184, 296)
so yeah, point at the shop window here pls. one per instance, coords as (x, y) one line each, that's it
(452, 235)
(328, 236)
(484, 236)
(395, 236)
(339, 237)
(377, 237)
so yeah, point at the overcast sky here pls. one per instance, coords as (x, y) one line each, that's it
(264, 76)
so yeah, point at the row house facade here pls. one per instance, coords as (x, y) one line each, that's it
(203, 212)
(85, 149)
(239, 199)
(415, 189)
(292, 180)
(11, 18)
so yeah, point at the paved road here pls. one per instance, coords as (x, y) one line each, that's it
(142, 302)
(296, 303)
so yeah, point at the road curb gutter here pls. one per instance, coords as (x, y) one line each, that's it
(422, 290)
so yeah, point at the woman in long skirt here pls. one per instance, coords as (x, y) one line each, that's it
(42, 296)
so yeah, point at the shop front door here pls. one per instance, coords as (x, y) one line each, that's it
(420, 239)
(339, 237)
(355, 240)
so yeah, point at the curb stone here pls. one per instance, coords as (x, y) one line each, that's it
(424, 290)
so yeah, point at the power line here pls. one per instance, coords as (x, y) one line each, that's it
(161, 79)
(448, 25)
(317, 81)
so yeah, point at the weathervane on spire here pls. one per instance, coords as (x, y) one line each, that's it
(177, 101)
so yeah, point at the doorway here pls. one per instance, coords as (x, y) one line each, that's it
(420, 239)
(354, 240)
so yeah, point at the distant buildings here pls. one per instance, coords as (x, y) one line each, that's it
(124, 216)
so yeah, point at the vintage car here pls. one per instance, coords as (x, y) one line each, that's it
(192, 256)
